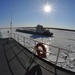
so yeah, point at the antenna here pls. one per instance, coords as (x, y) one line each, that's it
(11, 29)
(11, 24)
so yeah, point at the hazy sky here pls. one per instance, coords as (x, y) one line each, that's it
(29, 13)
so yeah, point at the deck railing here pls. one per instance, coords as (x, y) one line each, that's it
(56, 55)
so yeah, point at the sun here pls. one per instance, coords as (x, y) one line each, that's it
(47, 8)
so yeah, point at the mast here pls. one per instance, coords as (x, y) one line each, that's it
(11, 24)
(11, 29)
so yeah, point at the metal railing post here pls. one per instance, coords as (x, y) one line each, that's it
(34, 47)
(18, 38)
(24, 40)
(14, 35)
(57, 56)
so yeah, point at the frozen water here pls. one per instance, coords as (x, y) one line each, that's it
(61, 39)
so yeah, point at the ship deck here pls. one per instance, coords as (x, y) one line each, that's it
(17, 60)
(10, 55)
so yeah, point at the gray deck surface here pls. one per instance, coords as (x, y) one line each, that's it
(15, 60)
(9, 54)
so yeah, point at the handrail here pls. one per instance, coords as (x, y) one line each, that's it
(57, 55)
(24, 42)
(44, 43)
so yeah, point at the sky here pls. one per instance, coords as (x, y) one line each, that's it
(29, 13)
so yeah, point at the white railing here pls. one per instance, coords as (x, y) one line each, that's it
(56, 55)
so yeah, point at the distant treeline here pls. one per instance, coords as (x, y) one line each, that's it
(60, 29)
(54, 28)
(44, 27)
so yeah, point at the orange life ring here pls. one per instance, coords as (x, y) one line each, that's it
(42, 54)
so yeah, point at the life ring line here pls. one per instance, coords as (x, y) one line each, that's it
(43, 54)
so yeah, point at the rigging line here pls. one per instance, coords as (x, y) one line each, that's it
(30, 63)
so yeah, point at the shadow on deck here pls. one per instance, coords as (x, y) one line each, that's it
(17, 60)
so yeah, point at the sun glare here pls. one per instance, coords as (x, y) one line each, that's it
(47, 8)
